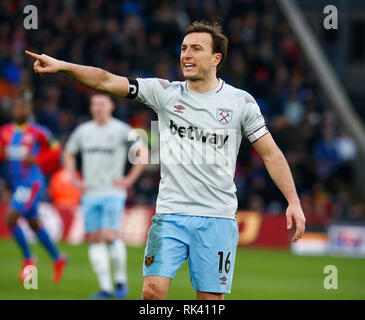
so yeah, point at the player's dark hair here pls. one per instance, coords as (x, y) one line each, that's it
(220, 41)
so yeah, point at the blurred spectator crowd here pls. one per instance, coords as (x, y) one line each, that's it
(143, 38)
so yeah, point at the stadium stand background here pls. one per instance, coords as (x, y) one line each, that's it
(143, 39)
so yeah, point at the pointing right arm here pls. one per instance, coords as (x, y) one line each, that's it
(91, 77)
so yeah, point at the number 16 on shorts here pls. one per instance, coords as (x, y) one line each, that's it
(226, 262)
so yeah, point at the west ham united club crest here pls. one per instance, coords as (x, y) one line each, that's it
(149, 260)
(224, 115)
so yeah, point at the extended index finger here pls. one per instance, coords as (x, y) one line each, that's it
(34, 55)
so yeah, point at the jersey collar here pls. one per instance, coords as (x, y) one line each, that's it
(21, 127)
(214, 91)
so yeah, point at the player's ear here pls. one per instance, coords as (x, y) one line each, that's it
(217, 57)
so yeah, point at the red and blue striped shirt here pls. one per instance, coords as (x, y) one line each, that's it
(17, 142)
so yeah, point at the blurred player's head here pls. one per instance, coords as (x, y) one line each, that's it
(101, 107)
(22, 111)
(203, 50)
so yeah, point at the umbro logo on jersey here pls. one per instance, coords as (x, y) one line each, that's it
(179, 108)
(193, 133)
(224, 115)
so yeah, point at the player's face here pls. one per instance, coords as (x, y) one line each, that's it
(101, 108)
(197, 59)
(21, 112)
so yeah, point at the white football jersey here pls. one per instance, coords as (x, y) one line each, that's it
(200, 136)
(104, 150)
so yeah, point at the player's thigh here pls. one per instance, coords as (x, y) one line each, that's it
(12, 216)
(112, 209)
(212, 255)
(155, 287)
(91, 211)
(166, 248)
(108, 235)
(94, 237)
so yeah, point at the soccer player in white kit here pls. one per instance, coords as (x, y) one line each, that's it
(104, 143)
(201, 121)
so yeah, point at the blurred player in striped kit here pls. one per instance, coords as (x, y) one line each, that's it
(104, 143)
(29, 150)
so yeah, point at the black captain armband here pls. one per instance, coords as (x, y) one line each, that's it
(132, 88)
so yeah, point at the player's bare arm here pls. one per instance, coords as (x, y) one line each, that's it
(69, 163)
(91, 77)
(279, 171)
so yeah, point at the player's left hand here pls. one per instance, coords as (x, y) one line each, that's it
(295, 212)
(125, 182)
(79, 185)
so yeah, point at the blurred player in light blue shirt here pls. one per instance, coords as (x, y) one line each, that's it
(104, 143)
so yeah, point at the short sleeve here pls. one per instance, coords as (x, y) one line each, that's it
(253, 123)
(153, 92)
(73, 144)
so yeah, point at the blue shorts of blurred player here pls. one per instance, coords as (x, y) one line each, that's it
(26, 198)
(102, 212)
(103, 217)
